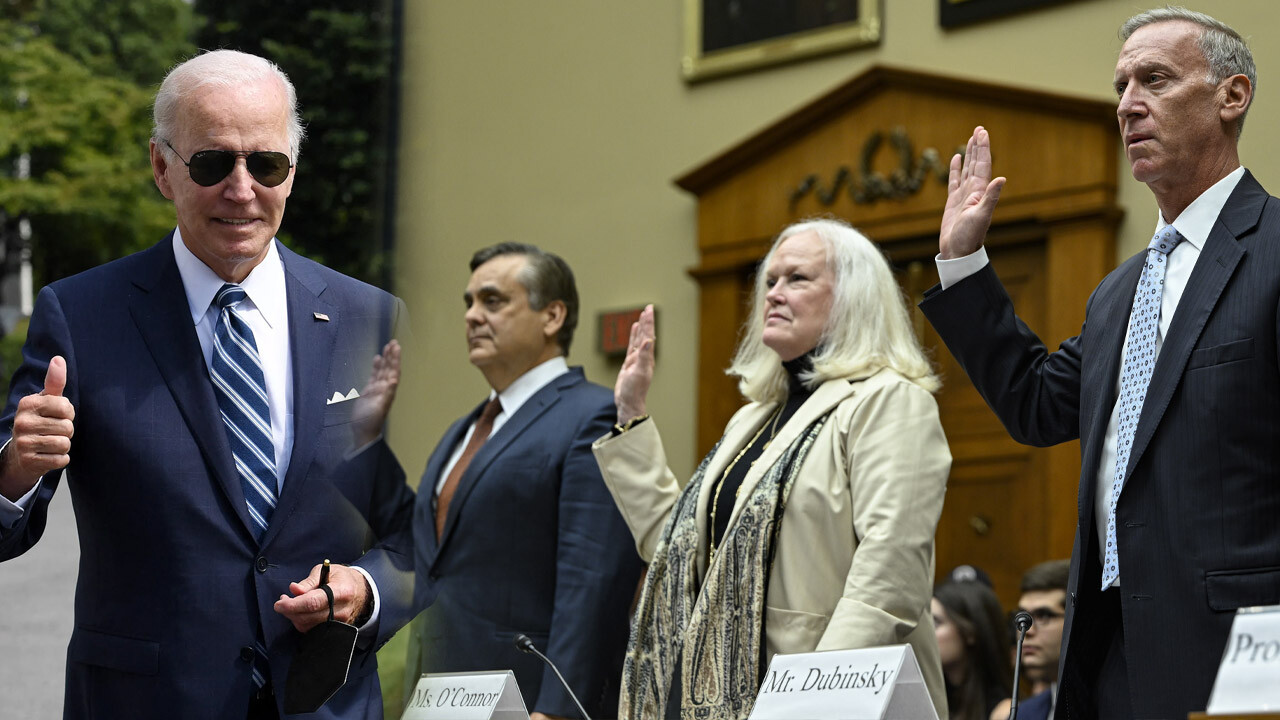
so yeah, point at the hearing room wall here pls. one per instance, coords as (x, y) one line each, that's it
(563, 123)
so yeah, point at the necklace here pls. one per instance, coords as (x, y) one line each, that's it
(772, 424)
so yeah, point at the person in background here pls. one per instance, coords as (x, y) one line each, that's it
(1044, 597)
(810, 525)
(973, 643)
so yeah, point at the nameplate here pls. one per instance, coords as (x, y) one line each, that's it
(1249, 676)
(466, 696)
(882, 683)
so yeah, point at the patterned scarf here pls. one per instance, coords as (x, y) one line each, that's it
(720, 629)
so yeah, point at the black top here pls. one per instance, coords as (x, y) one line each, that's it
(797, 393)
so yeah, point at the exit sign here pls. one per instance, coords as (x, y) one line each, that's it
(615, 330)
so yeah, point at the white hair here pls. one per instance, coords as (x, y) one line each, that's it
(220, 68)
(868, 328)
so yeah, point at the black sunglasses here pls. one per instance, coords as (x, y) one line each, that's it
(209, 167)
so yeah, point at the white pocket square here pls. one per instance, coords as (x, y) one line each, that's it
(339, 397)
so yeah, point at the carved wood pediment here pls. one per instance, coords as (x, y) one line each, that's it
(873, 149)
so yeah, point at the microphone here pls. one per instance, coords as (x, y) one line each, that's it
(524, 644)
(1022, 621)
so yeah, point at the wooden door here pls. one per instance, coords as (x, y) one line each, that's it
(998, 491)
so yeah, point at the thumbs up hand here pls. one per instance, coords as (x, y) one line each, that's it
(55, 378)
(42, 430)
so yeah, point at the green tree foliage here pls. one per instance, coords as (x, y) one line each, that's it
(83, 121)
(136, 40)
(339, 59)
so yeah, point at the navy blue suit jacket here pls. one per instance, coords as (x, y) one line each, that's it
(1036, 707)
(533, 544)
(172, 584)
(1196, 521)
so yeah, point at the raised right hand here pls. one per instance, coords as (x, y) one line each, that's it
(971, 199)
(369, 415)
(637, 370)
(42, 429)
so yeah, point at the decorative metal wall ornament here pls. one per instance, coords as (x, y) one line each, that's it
(868, 186)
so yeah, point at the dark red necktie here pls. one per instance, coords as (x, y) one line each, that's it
(484, 426)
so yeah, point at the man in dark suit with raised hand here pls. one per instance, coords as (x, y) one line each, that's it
(201, 396)
(1172, 385)
(515, 530)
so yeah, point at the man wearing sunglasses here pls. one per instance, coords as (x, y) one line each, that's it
(209, 400)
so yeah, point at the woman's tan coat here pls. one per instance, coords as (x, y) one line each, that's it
(855, 562)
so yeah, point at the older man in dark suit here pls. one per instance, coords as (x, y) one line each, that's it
(515, 530)
(201, 396)
(1172, 385)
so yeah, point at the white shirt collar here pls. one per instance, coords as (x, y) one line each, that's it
(1197, 220)
(264, 285)
(525, 386)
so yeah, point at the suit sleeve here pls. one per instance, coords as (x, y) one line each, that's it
(390, 561)
(596, 574)
(47, 335)
(897, 461)
(635, 470)
(1035, 393)
(634, 466)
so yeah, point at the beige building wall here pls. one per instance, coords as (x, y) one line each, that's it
(563, 122)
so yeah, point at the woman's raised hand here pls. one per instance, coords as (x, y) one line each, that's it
(637, 370)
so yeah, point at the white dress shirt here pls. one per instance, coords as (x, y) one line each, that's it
(266, 312)
(516, 394)
(1194, 224)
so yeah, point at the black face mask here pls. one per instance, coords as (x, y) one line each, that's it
(320, 667)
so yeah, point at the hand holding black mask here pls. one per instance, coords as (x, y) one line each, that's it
(320, 667)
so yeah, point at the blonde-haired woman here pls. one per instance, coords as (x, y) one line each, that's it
(810, 525)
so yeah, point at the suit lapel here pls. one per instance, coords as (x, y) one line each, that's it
(161, 313)
(1098, 385)
(827, 396)
(530, 411)
(311, 342)
(431, 476)
(1217, 263)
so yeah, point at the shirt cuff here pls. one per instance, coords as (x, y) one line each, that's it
(954, 270)
(355, 452)
(11, 512)
(369, 630)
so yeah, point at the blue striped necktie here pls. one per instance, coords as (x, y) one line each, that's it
(1135, 377)
(242, 398)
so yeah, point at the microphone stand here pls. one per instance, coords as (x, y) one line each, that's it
(1022, 621)
(524, 644)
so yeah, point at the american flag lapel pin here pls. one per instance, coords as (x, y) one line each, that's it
(320, 316)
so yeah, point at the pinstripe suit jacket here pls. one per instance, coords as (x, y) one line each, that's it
(1197, 521)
